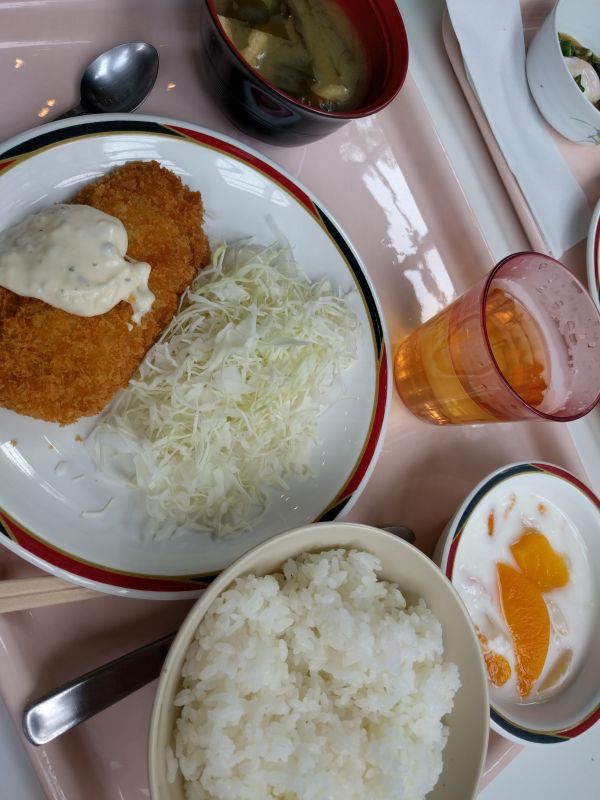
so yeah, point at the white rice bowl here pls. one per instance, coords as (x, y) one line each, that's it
(391, 712)
(317, 682)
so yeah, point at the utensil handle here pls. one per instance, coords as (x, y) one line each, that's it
(21, 594)
(74, 702)
(77, 111)
(402, 532)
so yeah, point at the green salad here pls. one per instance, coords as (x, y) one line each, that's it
(584, 66)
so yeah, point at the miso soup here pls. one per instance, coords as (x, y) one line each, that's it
(307, 48)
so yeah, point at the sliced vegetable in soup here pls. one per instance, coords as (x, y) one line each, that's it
(306, 48)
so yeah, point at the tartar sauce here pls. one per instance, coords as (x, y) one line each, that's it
(73, 257)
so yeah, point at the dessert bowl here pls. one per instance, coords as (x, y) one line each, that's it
(514, 500)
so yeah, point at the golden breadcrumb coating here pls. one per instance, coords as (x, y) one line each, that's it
(60, 367)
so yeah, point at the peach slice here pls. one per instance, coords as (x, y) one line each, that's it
(539, 561)
(498, 668)
(528, 620)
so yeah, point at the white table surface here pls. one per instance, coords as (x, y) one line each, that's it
(570, 770)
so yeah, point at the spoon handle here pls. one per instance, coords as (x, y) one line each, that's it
(77, 111)
(81, 698)
(402, 532)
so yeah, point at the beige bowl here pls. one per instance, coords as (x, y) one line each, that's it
(416, 576)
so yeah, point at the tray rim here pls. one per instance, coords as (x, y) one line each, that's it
(497, 760)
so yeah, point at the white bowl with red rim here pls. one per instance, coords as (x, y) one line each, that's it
(56, 510)
(575, 707)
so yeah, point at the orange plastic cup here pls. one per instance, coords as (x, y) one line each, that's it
(523, 343)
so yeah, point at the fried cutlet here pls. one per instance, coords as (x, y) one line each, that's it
(60, 367)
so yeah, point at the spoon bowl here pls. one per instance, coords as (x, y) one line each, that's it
(118, 80)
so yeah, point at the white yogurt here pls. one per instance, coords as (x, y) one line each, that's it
(571, 608)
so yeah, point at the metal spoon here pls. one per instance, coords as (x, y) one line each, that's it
(83, 697)
(118, 80)
(72, 703)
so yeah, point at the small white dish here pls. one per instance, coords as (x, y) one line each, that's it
(576, 707)
(593, 255)
(417, 576)
(554, 90)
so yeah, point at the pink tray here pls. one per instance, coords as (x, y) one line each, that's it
(388, 182)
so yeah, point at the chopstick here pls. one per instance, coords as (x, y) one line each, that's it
(21, 594)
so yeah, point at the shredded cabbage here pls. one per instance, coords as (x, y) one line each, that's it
(225, 405)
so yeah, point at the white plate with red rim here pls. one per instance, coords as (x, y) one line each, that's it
(575, 707)
(48, 483)
(593, 255)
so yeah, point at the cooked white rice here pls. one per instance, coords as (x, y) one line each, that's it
(316, 684)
